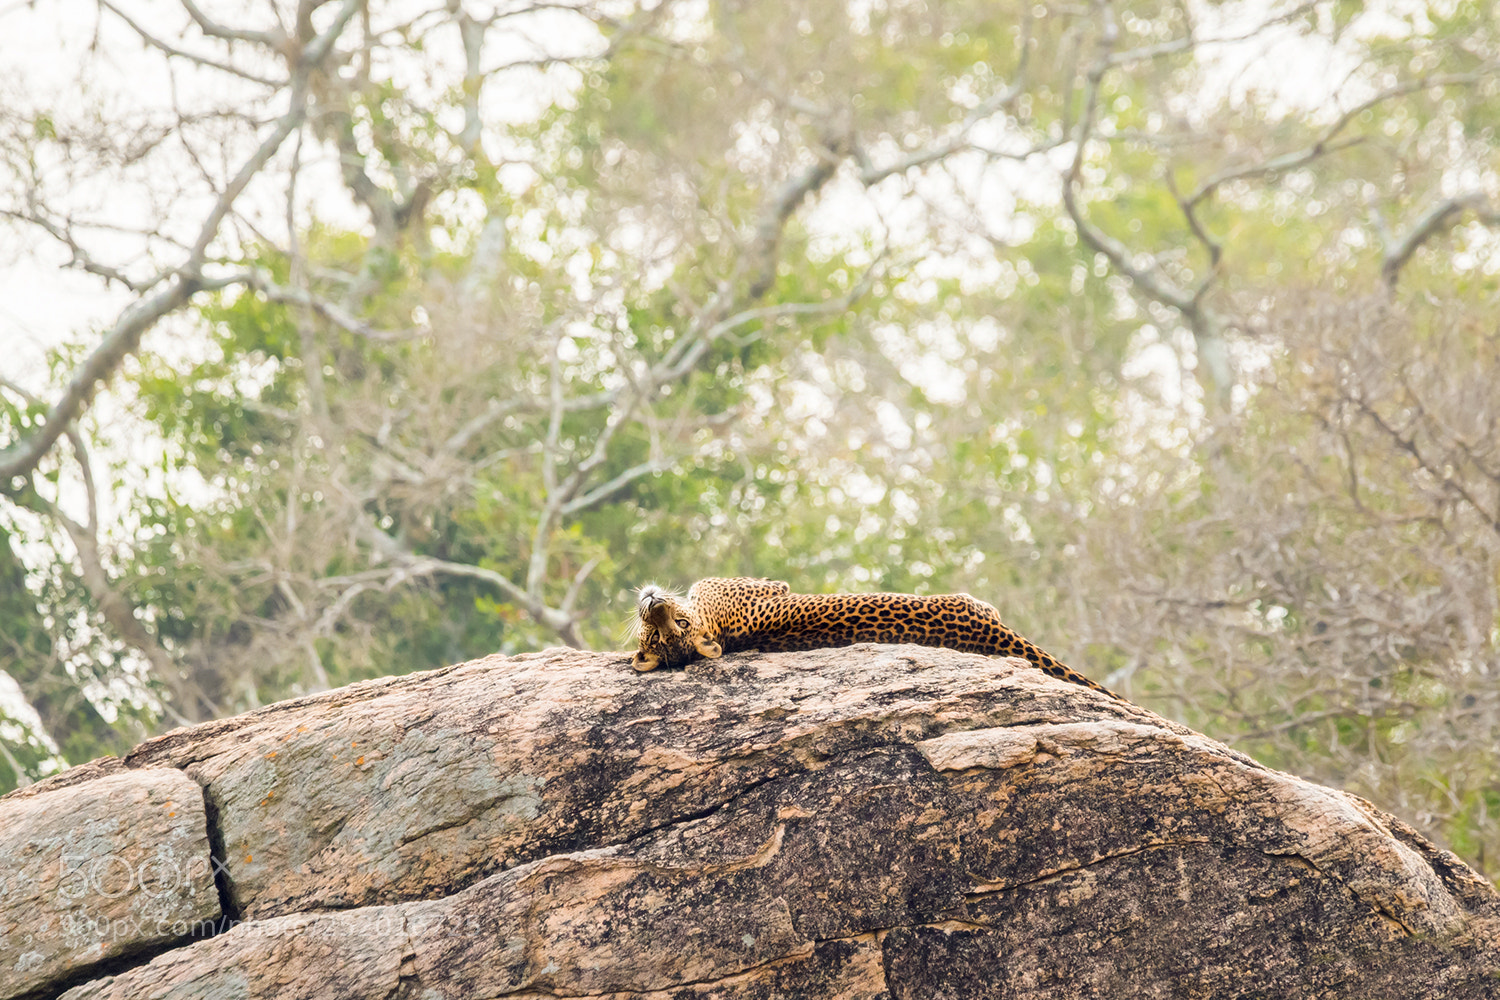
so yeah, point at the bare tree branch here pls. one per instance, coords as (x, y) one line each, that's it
(213, 29)
(330, 311)
(958, 139)
(612, 486)
(202, 60)
(1148, 277)
(1213, 246)
(1189, 42)
(21, 456)
(1328, 141)
(761, 255)
(115, 608)
(561, 621)
(1439, 218)
(471, 32)
(63, 234)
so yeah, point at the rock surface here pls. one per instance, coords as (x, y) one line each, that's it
(99, 870)
(872, 822)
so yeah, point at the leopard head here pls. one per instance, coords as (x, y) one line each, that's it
(669, 632)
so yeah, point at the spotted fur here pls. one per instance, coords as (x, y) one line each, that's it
(726, 616)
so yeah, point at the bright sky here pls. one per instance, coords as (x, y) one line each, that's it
(41, 303)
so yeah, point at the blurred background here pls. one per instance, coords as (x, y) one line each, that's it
(358, 337)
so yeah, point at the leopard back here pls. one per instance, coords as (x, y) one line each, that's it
(735, 614)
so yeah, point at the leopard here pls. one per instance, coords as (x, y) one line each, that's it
(731, 615)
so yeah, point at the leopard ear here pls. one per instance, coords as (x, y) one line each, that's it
(643, 661)
(707, 647)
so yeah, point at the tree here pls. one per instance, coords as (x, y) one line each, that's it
(1320, 587)
(456, 323)
(372, 409)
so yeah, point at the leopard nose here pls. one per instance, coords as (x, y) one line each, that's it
(650, 596)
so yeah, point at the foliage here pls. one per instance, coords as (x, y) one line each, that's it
(1176, 355)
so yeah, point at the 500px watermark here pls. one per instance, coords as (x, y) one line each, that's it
(79, 926)
(110, 876)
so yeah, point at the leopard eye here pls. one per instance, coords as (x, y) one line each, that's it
(682, 623)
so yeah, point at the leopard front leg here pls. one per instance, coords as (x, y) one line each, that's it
(643, 662)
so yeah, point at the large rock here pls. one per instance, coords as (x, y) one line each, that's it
(98, 870)
(893, 822)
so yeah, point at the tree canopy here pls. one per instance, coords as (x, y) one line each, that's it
(1167, 328)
